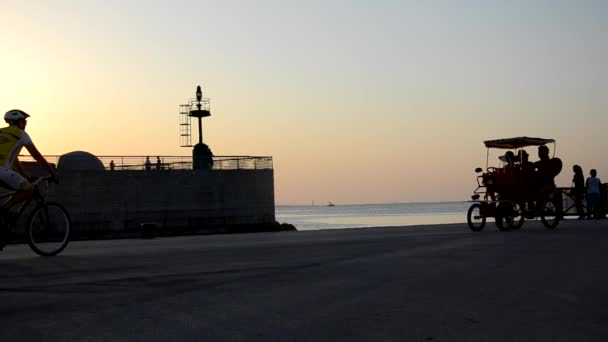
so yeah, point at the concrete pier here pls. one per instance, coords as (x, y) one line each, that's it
(434, 283)
(121, 201)
(237, 195)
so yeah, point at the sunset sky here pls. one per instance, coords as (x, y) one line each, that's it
(356, 101)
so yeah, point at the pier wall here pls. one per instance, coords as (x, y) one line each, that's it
(115, 201)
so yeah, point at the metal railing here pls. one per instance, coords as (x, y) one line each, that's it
(172, 162)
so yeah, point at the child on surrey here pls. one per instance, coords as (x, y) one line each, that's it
(593, 185)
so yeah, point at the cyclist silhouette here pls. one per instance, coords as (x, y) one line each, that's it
(12, 139)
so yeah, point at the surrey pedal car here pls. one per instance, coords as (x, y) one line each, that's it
(516, 189)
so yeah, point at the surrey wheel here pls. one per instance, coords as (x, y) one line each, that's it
(509, 216)
(475, 219)
(550, 214)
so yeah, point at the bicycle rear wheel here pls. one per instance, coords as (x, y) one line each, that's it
(48, 229)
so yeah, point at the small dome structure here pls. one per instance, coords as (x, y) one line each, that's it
(79, 161)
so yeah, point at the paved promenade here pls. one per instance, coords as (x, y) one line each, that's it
(440, 283)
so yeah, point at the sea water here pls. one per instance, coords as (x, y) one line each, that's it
(371, 215)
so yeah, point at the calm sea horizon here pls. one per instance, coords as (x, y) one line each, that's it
(309, 217)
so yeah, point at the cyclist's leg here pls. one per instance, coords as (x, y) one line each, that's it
(23, 188)
(11, 179)
(17, 200)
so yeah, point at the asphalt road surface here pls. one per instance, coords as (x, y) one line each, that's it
(435, 283)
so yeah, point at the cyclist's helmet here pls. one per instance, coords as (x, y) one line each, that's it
(15, 114)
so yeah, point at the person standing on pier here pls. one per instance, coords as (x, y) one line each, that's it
(578, 190)
(593, 195)
(148, 164)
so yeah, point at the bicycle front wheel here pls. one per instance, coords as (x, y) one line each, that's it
(48, 229)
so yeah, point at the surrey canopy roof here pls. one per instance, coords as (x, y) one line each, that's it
(517, 142)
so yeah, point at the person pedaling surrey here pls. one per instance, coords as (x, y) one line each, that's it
(546, 170)
(12, 139)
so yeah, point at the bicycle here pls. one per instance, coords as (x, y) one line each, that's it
(48, 227)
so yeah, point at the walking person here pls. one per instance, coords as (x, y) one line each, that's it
(158, 163)
(578, 190)
(593, 185)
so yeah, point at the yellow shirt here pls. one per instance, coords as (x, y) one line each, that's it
(12, 139)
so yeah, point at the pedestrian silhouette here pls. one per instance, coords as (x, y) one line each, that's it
(593, 185)
(147, 164)
(578, 190)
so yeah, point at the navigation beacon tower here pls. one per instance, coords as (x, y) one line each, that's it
(202, 157)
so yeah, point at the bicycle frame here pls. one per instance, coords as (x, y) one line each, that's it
(35, 197)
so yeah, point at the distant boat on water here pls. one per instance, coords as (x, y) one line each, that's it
(329, 204)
